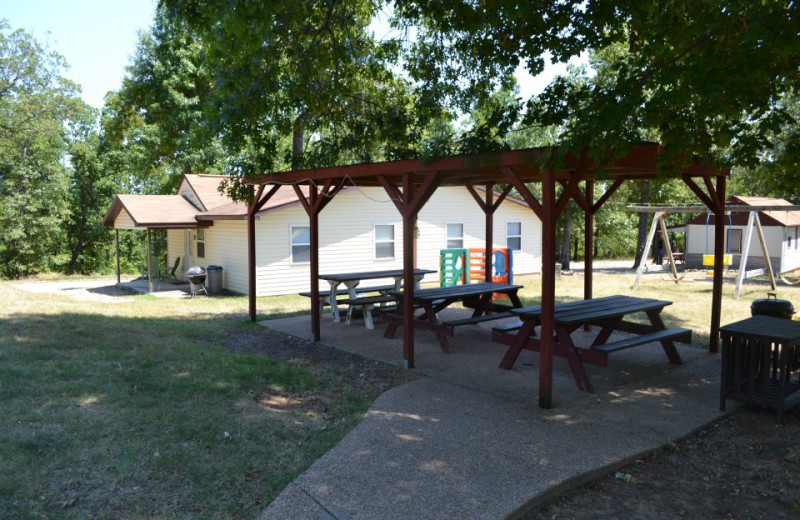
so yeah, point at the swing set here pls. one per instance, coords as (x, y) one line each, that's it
(753, 223)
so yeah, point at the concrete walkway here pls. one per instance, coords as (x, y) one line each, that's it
(468, 440)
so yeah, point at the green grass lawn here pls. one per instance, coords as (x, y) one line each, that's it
(141, 409)
(136, 410)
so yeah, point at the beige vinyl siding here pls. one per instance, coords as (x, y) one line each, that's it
(455, 204)
(347, 239)
(124, 221)
(791, 255)
(226, 246)
(175, 250)
(700, 241)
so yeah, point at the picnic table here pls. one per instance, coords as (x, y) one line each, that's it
(609, 313)
(355, 295)
(476, 296)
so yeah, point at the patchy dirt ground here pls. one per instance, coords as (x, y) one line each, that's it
(745, 466)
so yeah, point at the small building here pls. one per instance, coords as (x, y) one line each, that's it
(781, 233)
(360, 230)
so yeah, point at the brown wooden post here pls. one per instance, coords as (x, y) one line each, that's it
(719, 251)
(251, 263)
(588, 241)
(409, 218)
(116, 241)
(149, 261)
(548, 290)
(313, 221)
(255, 206)
(489, 214)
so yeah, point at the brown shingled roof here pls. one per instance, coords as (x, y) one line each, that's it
(785, 218)
(153, 211)
(206, 187)
(238, 210)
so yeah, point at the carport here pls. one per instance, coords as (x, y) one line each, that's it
(410, 184)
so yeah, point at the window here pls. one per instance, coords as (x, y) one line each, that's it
(735, 241)
(201, 243)
(455, 236)
(514, 235)
(301, 244)
(384, 241)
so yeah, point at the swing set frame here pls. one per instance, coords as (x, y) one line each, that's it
(753, 223)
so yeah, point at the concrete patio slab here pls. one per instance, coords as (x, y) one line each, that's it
(469, 441)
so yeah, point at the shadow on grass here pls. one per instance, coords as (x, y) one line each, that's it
(117, 416)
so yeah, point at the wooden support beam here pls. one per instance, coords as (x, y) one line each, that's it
(548, 290)
(255, 206)
(719, 249)
(588, 240)
(116, 243)
(149, 261)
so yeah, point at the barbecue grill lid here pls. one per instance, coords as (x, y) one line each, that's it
(195, 270)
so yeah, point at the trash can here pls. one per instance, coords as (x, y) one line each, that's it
(214, 279)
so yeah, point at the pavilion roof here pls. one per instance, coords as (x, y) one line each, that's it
(640, 162)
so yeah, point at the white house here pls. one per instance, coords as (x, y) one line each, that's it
(781, 233)
(360, 230)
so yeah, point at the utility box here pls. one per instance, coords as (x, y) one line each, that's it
(214, 279)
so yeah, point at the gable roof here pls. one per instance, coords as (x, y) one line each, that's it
(768, 217)
(206, 189)
(153, 211)
(200, 201)
(786, 217)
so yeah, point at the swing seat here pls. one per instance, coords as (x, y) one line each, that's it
(708, 260)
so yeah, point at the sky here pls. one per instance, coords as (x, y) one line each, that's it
(98, 37)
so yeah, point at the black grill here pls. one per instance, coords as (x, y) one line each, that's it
(197, 278)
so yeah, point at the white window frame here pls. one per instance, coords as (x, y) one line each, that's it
(292, 244)
(447, 237)
(376, 242)
(514, 236)
(200, 242)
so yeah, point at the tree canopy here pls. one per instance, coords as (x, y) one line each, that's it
(706, 76)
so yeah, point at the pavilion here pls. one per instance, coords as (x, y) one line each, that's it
(410, 183)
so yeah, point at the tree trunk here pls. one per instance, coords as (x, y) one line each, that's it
(567, 240)
(297, 141)
(641, 238)
(78, 249)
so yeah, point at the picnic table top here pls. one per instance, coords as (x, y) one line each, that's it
(584, 311)
(764, 327)
(462, 291)
(370, 275)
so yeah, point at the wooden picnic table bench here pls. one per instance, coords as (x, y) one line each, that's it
(325, 294)
(607, 313)
(473, 296)
(351, 282)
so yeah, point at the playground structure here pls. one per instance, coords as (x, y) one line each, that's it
(465, 266)
(753, 224)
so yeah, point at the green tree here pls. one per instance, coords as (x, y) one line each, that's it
(311, 71)
(35, 103)
(159, 113)
(705, 75)
(90, 188)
